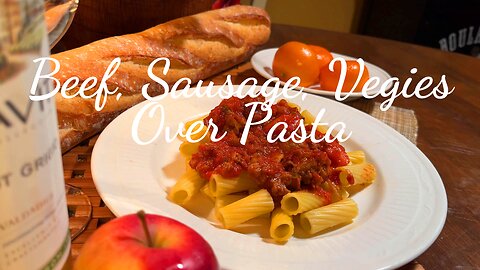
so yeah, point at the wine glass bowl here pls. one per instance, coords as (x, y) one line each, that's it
(58, 18)
(79, 210)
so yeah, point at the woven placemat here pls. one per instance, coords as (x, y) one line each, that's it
(402, 120)
(76, 165)
(77, 173)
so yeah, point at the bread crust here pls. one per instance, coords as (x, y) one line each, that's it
(198, 47)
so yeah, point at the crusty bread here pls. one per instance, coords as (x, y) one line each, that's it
(198, 47)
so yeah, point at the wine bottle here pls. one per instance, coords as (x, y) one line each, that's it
(33, 212)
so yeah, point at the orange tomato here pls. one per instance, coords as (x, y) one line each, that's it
(323, 55)
(296, 59)
(329, 80)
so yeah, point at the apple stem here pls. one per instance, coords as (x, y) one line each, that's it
(143, 220)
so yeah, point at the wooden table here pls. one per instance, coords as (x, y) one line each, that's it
(449, 134)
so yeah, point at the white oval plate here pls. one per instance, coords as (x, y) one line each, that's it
(400, 215)
(262, 64)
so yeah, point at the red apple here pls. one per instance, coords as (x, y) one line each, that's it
(143, 241)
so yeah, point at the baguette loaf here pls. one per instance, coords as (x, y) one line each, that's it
(198, 47)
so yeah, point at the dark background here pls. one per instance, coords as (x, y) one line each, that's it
(448, 25)
(444, 24)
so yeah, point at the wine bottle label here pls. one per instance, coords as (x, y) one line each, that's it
(33, 214)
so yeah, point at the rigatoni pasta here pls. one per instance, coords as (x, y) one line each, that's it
(252, 206)
(288, 182)
(325, 217)
(226, 200)
(187, 186)
(187, 149)
(310, 119)
(281, 225)
(300, 201)
(220, 185)
(356, 157)
(363, 173)
(206, 191)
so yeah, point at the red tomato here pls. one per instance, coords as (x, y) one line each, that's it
(329, 80)
(296, 59)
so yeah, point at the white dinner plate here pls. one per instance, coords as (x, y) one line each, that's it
(400, 215)
(262, 64)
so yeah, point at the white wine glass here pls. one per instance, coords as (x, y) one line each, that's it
(58, 18)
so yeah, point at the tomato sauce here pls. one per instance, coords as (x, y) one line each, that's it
(279, 167)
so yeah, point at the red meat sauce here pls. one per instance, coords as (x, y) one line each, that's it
(279, 167)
